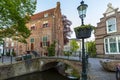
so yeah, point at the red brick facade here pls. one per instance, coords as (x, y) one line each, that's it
(45, 27)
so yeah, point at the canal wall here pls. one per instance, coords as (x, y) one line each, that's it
(19, 68)
(34, 65)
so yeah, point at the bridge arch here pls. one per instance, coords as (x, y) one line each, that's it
(49, 63)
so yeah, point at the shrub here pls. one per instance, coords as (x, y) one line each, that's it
(7, 53)
(13, 53)
(51, 49)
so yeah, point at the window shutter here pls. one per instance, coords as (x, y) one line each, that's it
(48, 43)
(41, 25)
(48, 24)
(40, 44)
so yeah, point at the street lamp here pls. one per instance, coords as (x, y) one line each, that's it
(3, 51)
(82, 14)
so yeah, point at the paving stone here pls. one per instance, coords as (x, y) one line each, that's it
(96, 72)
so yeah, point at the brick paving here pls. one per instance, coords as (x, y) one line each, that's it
(7, 60)
(96, 72)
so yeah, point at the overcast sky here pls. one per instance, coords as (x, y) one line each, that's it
(95, 10)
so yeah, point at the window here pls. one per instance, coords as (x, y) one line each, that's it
(112, 45)
(119, 43)
(111, 25)
(44, 42)
(46, 15)
(106, 45)
(32, 40)
(7, 44)
(12, 44)
(33, 28)
(45, 24)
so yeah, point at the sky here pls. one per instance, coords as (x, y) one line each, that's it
(95, 10)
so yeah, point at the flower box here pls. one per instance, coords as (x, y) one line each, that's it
(83, 31)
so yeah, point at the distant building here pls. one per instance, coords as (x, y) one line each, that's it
(1, 49)
(107, 33)
(9, 46)
(67, 47)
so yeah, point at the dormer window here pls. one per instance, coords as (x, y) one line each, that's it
(111, 25)
(46, 15)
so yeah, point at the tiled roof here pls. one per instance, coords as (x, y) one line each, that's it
(41, 14)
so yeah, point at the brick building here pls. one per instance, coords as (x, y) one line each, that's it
(45, 27)
(107, 33)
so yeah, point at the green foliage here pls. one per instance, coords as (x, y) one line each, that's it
(51, 49)
(75, 73)
(89, 26)
(14, 16)
(7, 54)
(13, 53)
(74, 45)
(91, 48)
(67, 53)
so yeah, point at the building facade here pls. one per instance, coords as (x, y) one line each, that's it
(46, 27)
(67, 47)
(107, 33)
(1, 50)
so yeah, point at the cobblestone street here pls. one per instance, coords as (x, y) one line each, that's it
(96, 72)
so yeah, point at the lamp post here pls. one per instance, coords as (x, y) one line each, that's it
(3, 51)
(82, 14)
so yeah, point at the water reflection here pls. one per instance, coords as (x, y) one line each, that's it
(50, 74)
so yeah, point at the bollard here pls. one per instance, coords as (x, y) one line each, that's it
(11, 59)
(118, 71)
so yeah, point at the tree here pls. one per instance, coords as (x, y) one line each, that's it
(51, 49)
(74, 45)
(67, 31)
(13, 17)
(91, 48)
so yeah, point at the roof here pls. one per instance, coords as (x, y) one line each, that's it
(41, 14)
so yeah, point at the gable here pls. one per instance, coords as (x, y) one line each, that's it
(110, 8)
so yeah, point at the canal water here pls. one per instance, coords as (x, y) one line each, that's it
(51, 74)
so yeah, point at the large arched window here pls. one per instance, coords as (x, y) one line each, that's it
(111, 25)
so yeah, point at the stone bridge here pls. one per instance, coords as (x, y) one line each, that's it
(36, 64)
(48, 62)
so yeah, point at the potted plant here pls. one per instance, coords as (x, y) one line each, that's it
(83, 31)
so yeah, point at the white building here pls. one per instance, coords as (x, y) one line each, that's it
(1, 49)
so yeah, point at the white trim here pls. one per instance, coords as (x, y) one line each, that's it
(117, 44)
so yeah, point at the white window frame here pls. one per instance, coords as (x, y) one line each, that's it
(7, 44)
(46, 15)
(109, 45)
(12, 44)
(44, 43)
(113, 23)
